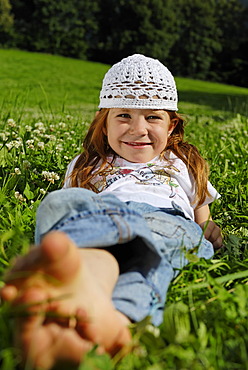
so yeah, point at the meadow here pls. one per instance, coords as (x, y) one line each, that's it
(46, 104)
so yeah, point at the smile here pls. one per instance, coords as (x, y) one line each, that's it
(136, 144)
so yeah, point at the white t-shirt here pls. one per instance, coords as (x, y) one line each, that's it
(158, 182)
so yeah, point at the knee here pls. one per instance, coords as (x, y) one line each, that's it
(60, 204)
(64, 198)
(52, 198)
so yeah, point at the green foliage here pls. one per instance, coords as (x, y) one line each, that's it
(6, 22)
(55, 27)
(6, 19)
(198, 39)
(149, 27)
(205, 320)
(32, 162)
(231, 63)
(207, 336)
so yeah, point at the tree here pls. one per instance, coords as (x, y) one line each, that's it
(57, 27)
(6, 22)
(194, 38)
(212, 41)
(136, 26)
(198, 39)
(231, 65)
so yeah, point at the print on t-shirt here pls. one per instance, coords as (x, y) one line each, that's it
(152, 174)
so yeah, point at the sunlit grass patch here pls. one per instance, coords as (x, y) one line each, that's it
(41, 130)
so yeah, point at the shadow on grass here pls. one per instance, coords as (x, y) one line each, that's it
(235, 103)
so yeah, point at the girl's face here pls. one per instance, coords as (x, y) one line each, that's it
(138, 135)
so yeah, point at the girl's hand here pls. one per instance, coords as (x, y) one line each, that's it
(212, 232)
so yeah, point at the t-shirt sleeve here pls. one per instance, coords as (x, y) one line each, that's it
(70, 167)
(191, 192)
(213, 194)
(187, 182)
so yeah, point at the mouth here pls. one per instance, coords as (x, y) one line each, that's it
(136, 144)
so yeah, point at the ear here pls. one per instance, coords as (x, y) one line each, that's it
(172, 125)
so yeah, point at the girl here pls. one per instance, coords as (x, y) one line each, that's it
(134, 202)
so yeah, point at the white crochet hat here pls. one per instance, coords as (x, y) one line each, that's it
(139, 82)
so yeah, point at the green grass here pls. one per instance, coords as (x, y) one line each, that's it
(38, 82)
(46, 105)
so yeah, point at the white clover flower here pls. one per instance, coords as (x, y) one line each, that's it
(62, 124)
(26, 164)
(20, 197)
(140, 351)
(11, 122)
(37, 132)
(59, 148)
(69, 117)
(17, 171)
(3, 136)
(42, 191)
(28, 128)
(9, 145)
(39, 125)
(30, 144)
(41, 145)
(17, 142)
(14, 144)
(50, 137)
(50, 176)
(153, 330)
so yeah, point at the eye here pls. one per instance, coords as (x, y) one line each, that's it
(124, 115)
(153, 118)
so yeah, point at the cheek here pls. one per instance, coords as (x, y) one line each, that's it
(162, 136)
(115, 133)
(112, 139)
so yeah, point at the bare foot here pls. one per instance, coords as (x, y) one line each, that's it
(65, 293)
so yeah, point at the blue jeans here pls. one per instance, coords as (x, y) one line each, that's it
(149, 243)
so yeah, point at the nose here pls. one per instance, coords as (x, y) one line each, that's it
(138, 126)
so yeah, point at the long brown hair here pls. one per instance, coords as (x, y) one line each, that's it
(96, 150)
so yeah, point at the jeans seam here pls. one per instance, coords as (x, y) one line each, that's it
(156, 299)
(119, 226)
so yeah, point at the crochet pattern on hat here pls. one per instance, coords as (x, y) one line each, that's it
(139, 82)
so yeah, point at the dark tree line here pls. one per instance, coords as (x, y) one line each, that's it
(195, 38)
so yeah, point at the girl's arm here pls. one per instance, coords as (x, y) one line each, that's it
(212, 232)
